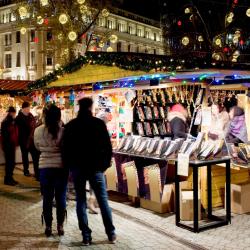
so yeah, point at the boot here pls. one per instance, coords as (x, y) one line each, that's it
(61, 216)
(91, 206)
(48, 228)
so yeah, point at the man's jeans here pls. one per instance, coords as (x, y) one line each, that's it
(54, 184)
(97, 183)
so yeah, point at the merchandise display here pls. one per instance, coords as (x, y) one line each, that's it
(240, 154)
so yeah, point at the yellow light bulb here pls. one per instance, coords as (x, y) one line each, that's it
(23, 12)
(185, 40)
(63, 18)
(113, 38)
(72, 36)
(23, 30)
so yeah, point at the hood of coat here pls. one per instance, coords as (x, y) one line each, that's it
(175, 114)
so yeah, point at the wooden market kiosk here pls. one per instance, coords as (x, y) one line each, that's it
(161, 195)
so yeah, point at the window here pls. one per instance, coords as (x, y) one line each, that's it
(8, 39)
(111, 24)
(119, 47)
(32, 58)
(18, 59)
(102, 22)
(130, 30)
(155, 36)
(121, 27)
(8, 61)
(147, 34)
(129, 48)
(18, 37)
(49, 61)
(155, 51)
(139, 32)
(49, 36)
(32, 35)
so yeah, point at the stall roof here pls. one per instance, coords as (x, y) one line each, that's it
(13, 85)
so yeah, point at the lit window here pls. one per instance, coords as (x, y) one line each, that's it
(18, 59)
(32, 58)
(8, 61)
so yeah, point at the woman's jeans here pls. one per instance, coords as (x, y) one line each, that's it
(54, 185)
(97, 183)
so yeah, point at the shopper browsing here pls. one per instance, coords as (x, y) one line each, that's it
(177, 118)
(87, 152)
(9, 133)
(53, 176)
(26, 126)
(237, 131)
(220, 121)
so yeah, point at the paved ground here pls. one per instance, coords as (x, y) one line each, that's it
(20, 226)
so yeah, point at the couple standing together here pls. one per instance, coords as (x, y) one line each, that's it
(82, 147)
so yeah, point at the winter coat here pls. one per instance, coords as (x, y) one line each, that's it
(9, 133)
(86, 145)
(178, 125)
(219, 126)
(50, 148)
(26, 127)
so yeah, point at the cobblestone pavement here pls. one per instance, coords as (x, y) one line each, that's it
(20, 226)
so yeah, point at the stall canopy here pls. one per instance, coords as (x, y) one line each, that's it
(13, 86)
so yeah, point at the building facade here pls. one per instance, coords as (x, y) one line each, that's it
(28, 57)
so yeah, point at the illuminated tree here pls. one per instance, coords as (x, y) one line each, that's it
(69, 23)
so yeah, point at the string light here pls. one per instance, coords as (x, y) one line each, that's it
(218, 42)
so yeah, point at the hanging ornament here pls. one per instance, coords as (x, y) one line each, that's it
(113, 38)
(105, 13)
(216, 56)
(46, 21)
(23, 12)
(101, 44)
(72, 36)
(248, 12)
(218, 42)
(187, 11)
(23, 30)
(109, 49)
(179, 23)
(83, 9)
(185, 40)
(44, 2)
(40, 20)
(81, 1)
(63, 18)
(235, 39)
(200, 38)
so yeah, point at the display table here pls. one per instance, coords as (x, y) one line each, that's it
(140, 163)
(214, 221)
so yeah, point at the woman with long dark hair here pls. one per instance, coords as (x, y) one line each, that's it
(53, 176)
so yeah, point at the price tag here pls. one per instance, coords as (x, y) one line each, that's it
(183, 164)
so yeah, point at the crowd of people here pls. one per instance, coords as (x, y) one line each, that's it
(82, 148)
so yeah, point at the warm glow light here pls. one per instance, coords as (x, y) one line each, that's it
(200, 39)
(81, 1)
(63, 18)
(72, 36)
(185, 41)
(57, 66)
(187, 11)
(23, 12)
(23, 30)
(44, 2)
(101, 44)
(83, 9)
(229, 19)
(60, 36)
(113, 38)
(248, 12)
(109, 49)
(235, 39)
(40, 20)
(105, 13)
(218, 42)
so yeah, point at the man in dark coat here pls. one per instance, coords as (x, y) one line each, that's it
(87, 152)
(26, 126)
(9, 133)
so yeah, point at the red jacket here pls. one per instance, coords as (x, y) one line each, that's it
(9, 132)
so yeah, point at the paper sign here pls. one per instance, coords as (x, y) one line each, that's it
(183, 164)
(206, 116)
